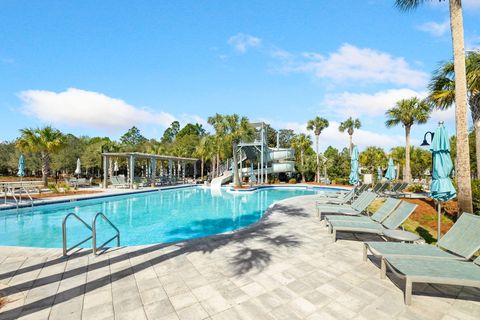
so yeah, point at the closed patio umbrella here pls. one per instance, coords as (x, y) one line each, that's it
(391, 171)
(21, 171)
(379, 173)
(115, 167)
(353, 178)
(78, 170)
(441, 187)
(21, 167)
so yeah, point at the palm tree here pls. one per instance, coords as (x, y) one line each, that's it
(201, 151)
(46, 141)
(408, 112)
(317, 125)
(238, 128)
(349, 125)
(462, 169)
(300, 143)
(442, 91)
(218, 123)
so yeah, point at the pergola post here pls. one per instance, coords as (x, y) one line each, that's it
(105, 171)
(195, 170)
(183, 171)
(170, 170)
(131, 172)
(153, 171)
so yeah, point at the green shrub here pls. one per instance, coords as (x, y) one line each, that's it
(416, 188)
(53, 187)
(341, 181)
(292, 181)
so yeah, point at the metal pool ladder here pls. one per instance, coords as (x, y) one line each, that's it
(92, 228)
(94, 233)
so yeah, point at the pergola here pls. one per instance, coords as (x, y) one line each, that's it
(176, 165)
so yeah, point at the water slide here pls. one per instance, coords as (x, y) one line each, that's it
(281, 166)
(224, 178)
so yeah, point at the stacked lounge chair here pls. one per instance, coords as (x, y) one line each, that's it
(358, 206)
(393, 221)
(381, 214)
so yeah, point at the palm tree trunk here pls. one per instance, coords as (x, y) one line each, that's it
(407, 177)
(477, 145)
(303, 165)
(463, 156)
(317, 175)
(350, 138)
(45, 168)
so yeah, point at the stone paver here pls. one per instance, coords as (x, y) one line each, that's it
(284, 267)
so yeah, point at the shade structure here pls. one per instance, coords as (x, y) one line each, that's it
(78, 170)
(253, 178)
(353, 178)
(441, 187)
(391, 171)
(21, 166)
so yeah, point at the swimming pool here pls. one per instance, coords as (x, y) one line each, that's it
(144, 218)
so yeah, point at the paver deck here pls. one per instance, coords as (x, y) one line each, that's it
(284, 267)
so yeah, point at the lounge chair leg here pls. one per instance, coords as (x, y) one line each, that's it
(408, 291)
(365, 253)
(383, 269)
(334, 234)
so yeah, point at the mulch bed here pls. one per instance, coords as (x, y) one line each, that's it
(426, 214)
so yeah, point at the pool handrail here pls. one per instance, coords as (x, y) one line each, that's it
(94, 233)
(64, 232)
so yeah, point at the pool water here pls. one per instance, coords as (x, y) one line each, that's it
(145, 218)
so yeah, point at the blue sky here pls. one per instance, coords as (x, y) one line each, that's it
(100, 67)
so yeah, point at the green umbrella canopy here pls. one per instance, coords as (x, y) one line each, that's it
(353, 178)
(391, 171)
(21, 166)
(441, 188)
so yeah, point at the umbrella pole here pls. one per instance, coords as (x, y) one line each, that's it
(438, 221)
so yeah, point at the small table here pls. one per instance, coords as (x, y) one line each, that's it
(401, 235)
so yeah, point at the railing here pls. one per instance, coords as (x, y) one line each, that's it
(94, 233)
(64, 232)
(92, 228)
(12, 189)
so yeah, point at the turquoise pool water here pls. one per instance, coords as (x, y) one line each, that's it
(145, 218)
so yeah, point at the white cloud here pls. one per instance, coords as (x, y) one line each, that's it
(348, 104)
(472, 4)
(80, 108)
(242, 42)
(434, 28)
(351, 63)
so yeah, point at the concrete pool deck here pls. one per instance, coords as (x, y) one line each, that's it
(284, 267)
